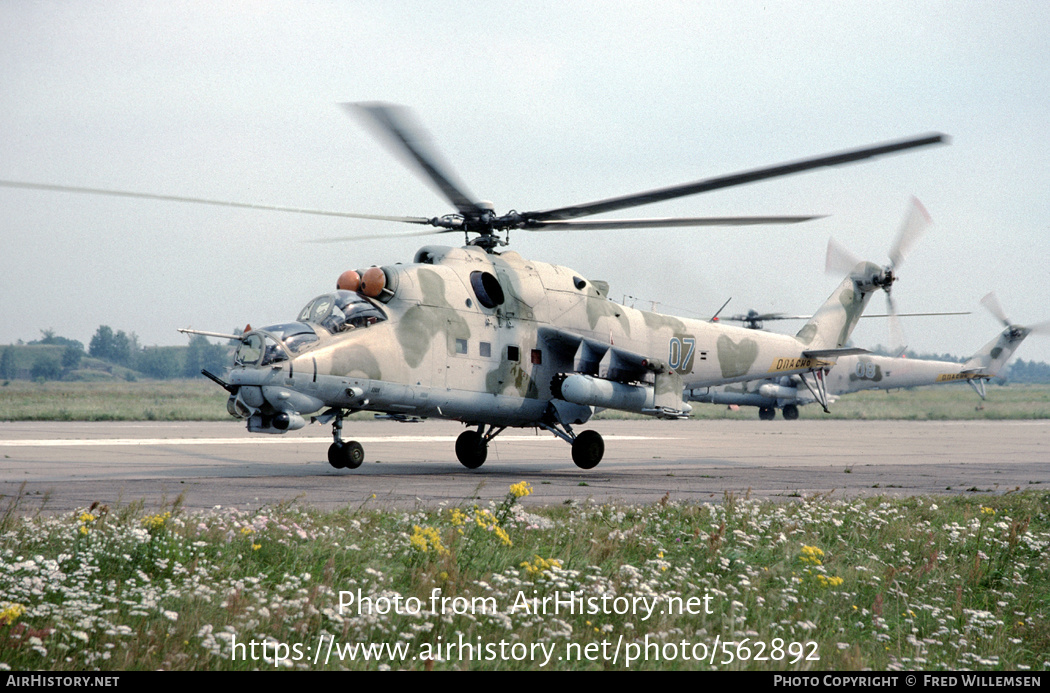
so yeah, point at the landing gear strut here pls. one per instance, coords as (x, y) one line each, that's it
(587, 447)
(344, 455)
(472, 447)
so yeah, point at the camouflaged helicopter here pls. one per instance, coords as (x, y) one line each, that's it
(495, 340)
(873, 372)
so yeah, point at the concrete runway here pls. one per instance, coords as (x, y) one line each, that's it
(65, 466)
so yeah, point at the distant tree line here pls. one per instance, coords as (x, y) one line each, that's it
(113, 349)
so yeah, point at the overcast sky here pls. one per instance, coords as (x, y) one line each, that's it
(534, 105)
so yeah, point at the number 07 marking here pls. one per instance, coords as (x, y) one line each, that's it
(680, 353)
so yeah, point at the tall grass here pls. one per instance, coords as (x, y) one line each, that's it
(201, 400)
(157, 400)
(816, 584)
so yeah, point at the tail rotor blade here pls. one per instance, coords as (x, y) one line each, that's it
(1039, 328)
(896, 329)
(992, 304)
(915, 223)
(839, 261)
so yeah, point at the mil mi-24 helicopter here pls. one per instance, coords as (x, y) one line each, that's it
(872, 372)
(495, 340)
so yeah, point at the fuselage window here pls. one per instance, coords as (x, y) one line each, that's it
(513, 353)
(461, 346)
(485, 350)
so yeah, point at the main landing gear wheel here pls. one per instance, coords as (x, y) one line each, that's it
(587, 449)
(767, 413)
(790, 412)
(347, 455)
(471, 449)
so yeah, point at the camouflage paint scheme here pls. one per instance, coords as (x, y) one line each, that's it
(871, 372)
(426, 358)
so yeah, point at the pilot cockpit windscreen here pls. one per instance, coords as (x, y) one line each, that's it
(341, 311)
(275, 343)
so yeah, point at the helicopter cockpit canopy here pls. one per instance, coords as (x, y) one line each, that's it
(341, 311)
(274, 343)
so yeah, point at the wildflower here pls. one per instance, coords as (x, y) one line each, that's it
(833, 581)
(540, 565)
(246, 530)
(520, 489)
(987, 511)
(11, 613)
(502, 534)
(256, 547)
(811, 554)
(426, 539)
(155, 522)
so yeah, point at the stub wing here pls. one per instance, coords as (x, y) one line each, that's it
(600, 374)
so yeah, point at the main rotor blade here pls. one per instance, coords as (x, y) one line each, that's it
(203, 201)
(375, 236)
(911, 315)
(915, 223)
(410, 139)
(661, 194)
(663, 222)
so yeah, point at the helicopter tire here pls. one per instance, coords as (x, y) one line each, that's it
(588, 449)
(471, 449)
(767, 413)
(347, 455)
(790, 412)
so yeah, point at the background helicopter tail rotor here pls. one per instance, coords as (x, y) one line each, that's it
(1016, 331)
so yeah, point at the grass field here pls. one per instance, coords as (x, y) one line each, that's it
(202, 400)
(817, 584)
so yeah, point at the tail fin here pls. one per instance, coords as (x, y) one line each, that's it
(832, 324)
(990, 358)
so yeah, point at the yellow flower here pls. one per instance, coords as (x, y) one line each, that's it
(247, 530)
(86, 517)
(987, 511)
(11, 613)
(155, 522)
(426, 539)
(811, 554)
(540, 565)
(520, 489)
(834, 581)
(256, 547)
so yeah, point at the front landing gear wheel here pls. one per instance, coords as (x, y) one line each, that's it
(587, 449)
(767, 413)
(471, 449)
(347, 455)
